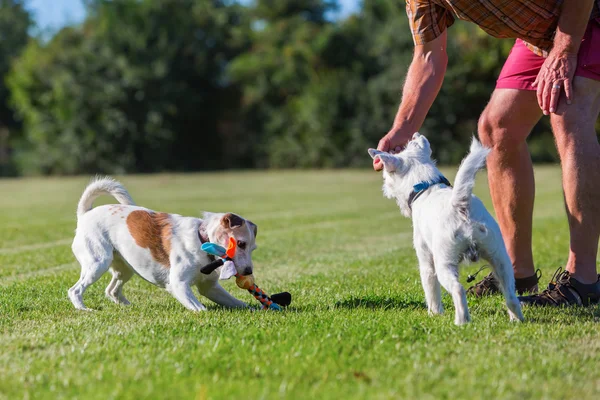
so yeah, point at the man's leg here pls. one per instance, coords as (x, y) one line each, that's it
(573, 127)
(504, 126)
(579, 151)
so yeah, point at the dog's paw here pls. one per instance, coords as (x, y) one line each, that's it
(459, 321)
(435, 311)
(516, 318)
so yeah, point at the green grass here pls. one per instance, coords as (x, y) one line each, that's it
(358, 327)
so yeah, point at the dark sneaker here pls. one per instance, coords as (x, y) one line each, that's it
(489, 285)
(564, 290)
(485, 287)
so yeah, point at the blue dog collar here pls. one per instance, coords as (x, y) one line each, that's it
(423, 186)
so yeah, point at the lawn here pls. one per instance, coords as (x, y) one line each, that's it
(357, 327)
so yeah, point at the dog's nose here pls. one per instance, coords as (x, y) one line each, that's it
(247, 271)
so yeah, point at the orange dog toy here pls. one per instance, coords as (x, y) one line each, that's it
(243, 282)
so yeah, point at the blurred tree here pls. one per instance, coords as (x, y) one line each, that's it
(288, 41)
(141, 86)
(352, 99)
(15, 22)
(152, 85)
(318, 94)
(307, 10)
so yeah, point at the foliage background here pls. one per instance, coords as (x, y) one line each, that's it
(180, 85)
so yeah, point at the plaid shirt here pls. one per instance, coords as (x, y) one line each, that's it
(532, 21)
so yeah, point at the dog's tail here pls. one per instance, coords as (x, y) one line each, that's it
(99, 186)
(465, 178)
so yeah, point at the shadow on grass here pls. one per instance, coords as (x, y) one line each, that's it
(379, 302)
(562, 315)
(493, 306)
(255, 307)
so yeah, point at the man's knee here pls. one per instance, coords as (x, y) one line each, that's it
(486, 129)
(495, 132)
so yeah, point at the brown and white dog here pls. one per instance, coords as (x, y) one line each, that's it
(164, 249)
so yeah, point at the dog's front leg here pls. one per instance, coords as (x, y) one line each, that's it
(182, 291)
(215, 292)
(429, 280)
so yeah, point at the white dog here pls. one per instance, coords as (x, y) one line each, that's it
(164, 249)
(450, 224)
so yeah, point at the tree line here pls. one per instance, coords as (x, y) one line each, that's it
(186, 85)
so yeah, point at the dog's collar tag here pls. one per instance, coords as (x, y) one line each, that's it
(421, 187)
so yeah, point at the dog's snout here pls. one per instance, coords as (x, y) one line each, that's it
(247, 271)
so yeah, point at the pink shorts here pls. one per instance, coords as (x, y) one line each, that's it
(522, 65)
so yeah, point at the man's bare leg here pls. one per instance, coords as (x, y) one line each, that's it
(577, 143)
(504, 126)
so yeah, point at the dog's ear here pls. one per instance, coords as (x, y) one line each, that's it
(253, 227)
(422, 143)
(390, 163)
(230, 221)
(374, 152)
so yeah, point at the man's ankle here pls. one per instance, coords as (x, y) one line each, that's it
(524, 272)
(585, 276)
(528, 284)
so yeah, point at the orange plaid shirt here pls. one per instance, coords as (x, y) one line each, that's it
(532, 21)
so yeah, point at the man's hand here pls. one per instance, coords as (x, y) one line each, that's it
(393, 142)
(558, 70)
(555, 76)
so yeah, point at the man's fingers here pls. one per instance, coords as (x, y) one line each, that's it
(377, 165)
(568, 91)
(384, 145)
(391, 143)
(554, 96)
(539, 93)
(547, 88)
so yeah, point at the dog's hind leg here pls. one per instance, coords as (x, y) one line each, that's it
(494, 252)
(121, 273)
(429, 280)
(446, 268)
(93, 265)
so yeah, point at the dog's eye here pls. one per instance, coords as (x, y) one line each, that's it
(241, 245)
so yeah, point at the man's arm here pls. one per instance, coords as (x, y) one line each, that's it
(423, 82)
(559, 68)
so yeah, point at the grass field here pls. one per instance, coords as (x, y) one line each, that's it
(358, 327)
